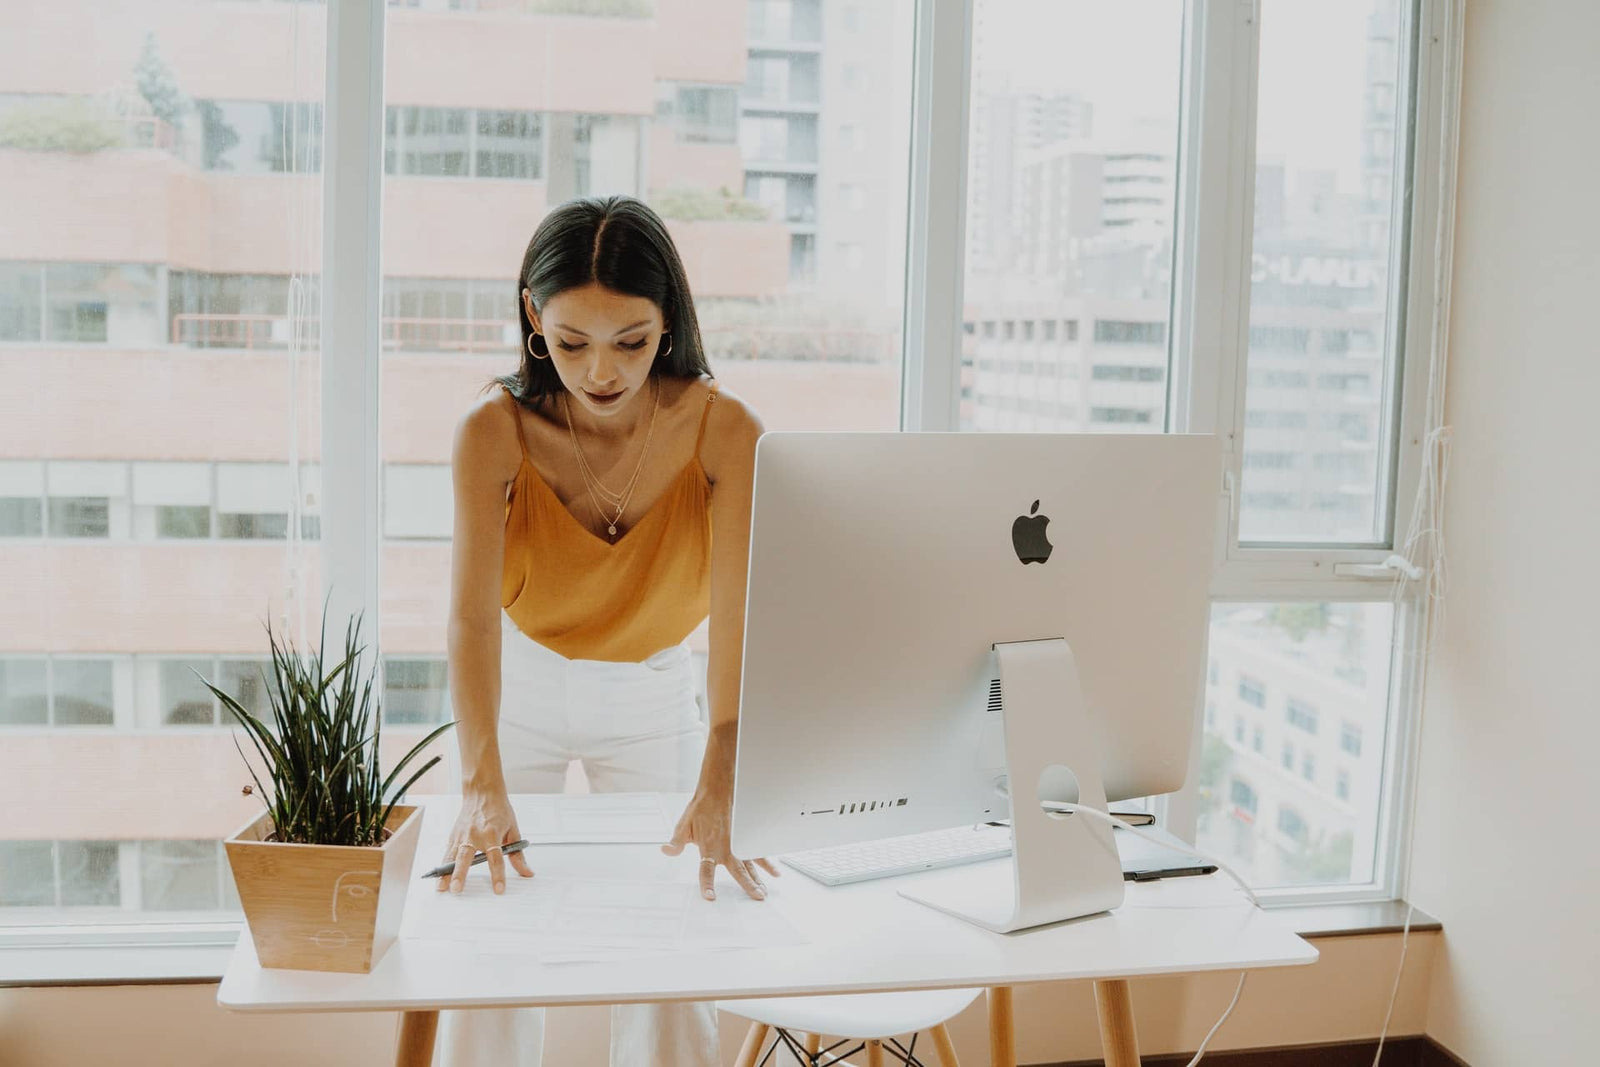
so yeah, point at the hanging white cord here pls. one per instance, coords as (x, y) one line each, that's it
(1118, 824)
(1424, 544)
(297, 142)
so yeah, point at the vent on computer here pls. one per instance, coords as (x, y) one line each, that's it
(860, 807)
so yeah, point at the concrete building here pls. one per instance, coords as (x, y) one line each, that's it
(159, 447)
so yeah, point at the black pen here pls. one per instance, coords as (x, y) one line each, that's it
(445, 868)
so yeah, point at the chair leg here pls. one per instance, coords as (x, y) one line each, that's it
(813, 1048)
(874, 1054)
(946, 1047)
(752, 1045)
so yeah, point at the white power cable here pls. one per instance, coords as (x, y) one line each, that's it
(1426, 528)
(1180, 846)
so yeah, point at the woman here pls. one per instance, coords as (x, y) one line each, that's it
(602, 501)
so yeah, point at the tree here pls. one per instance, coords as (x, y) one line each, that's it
(159, 86)
(1298, 620)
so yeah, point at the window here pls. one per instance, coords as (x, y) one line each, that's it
(1109, 372)
(699, 114)
(1112, 332)
(1121, 415)
(212, 524)
(1302, 716)
(173, 691)
(1316, 283)
(155, 316)
(741, 160)
(509, 145)
(255, 137)
(24, 691)
(1046, 155)
(415, 691)
(78, 303)
(1290, 824)
(58, 874)
(1252, 692)
(1319, 647)
(1242, 796)
(81, 692)
(1258, 739)
(418, 502)
(1350, 739)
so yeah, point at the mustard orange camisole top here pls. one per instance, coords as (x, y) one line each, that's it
(585, 597)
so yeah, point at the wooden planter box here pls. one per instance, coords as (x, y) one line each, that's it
(323, 907)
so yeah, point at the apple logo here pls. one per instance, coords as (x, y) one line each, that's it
(1028, 536)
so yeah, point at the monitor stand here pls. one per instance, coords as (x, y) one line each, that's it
(1062, 866)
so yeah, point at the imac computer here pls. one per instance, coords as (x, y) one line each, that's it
(944, 629)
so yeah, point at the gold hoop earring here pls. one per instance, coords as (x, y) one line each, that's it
(534, 353)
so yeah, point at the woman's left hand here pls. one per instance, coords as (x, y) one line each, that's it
(706, 823)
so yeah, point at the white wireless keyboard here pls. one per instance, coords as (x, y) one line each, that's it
(884, 858)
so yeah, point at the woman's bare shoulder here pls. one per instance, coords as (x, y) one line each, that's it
(486, 436)
(732, 428)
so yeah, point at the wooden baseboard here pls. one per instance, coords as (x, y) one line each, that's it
(1397, 1052)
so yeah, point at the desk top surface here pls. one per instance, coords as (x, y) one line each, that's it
(861, 938)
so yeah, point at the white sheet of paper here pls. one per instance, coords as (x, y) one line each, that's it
(598, 818)
(563, 920)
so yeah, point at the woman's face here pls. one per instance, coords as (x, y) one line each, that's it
(602, 344)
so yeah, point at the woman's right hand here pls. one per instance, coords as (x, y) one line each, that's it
(486, 823)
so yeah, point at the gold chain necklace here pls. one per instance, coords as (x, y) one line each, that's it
(591, 483)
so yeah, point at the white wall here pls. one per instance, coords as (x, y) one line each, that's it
(1506, 851)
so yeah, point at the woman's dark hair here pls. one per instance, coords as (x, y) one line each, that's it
(623, 245)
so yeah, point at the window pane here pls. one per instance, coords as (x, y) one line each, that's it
(414, 691)
(1072, 163)
(246, 681)
(185, 700)
(90, 874)
(21, 301)
(732, 122)
(157, 305)
(27, 874)
(179, 875)
(83, 692)
(24, 694)
(21, 517)
(1324, 322)
(1284, 672)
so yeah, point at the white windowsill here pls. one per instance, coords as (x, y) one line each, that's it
(200, 955)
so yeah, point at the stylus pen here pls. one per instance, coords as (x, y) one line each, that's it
(445, 868)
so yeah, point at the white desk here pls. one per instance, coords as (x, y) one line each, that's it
(862, 938)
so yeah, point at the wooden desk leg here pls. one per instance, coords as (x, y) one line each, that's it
(753, 1040)
(417, 1029)
(1002, 1038)
(1118, 1039)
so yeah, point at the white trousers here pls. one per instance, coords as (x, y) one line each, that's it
(636, 728)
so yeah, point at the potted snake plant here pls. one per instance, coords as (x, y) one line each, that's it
(322, 872)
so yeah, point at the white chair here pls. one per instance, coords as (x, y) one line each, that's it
(869, 1021)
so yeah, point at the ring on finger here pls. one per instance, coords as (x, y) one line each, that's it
(707, 861)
